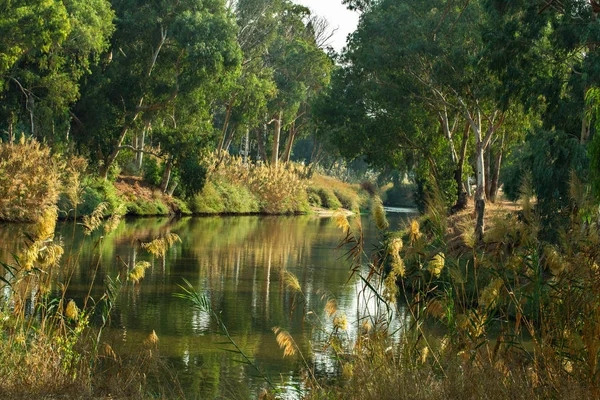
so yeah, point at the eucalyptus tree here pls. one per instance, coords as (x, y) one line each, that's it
(300, 68)
(45, 48)
(546, 54)
(414, 89)
(246, 98)
(160, 52)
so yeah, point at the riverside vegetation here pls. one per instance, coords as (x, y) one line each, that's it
(146, 108)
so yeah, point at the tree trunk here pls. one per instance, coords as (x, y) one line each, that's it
(30, 107)
(496, 176)
(290, 143)
(172, 189)
(140, 146)
(230, 138)
(225, 125)
(164, 183)
(117, 148)
(11, 137)
(262, 154)
(480, 192)
(246, 146)
(488, 170)
(276, 137)
(461, 202)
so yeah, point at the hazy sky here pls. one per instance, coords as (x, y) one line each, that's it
(338, 16)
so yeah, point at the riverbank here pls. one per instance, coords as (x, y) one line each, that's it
(34, 179)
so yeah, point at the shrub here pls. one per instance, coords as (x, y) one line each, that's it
(278, 191)
(151, 171)
(29, 180)
(225, 197)
(96, 191)
(208, 201)
(313, 197)
(348, 199)
(142, 207)
(328, 198)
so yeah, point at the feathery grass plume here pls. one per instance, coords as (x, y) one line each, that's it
(467, 232)
(291, 282)
(151, 340)
(395, 246)
(285, 341)
(576, 189)
(390, 288)
(424, 354)
(378, 213)
(414, 231)
(115, 219)
(331, 307)
(366, 326)
(109, 352)
(32, 181)
(489, 296)
(341, 222)
(72, 311)
(435, 308)
(50, 255)
(398, 267)
(554, 261)
(72, 179)
(526, 195)
(340, 322)
(139, 271)
(159, 246)
(46, 224)
(436, 265)
(94, 220)
(456, 274)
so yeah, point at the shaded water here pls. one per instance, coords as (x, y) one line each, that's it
(239, 263)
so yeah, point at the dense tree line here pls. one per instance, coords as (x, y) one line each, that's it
(115, 80)
(493, 89)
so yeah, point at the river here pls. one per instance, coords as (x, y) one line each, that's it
(238, 262)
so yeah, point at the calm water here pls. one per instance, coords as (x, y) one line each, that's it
(238, 262)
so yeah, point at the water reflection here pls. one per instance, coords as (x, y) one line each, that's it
(239, 263)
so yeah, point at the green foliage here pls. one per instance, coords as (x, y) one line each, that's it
(192, 175)
(151, 171)
(548, 157)
(142, 207)
(95, 191)
(313, 197)
(224, 197)
(328, 198)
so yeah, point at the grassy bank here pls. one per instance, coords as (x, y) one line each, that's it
(32, 179)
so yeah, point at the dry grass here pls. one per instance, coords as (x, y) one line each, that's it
(30, 180)
(279, 191)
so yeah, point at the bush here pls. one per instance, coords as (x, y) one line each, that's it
(96, 191)
(328, 198)
(313, 197)
(151, 171)
(278, 191)
(225, 197)
(142, 207)
(208, 201)
(348, 199)
(29, 180)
